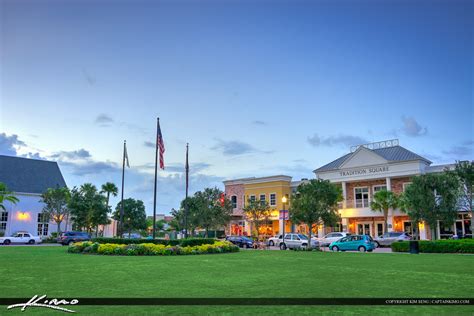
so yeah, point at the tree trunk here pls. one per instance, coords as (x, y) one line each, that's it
(97, 231)
(58, 228)
(207, 232)
(385, 218)
(309, 242)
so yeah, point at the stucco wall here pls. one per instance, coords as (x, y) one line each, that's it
(23, 216)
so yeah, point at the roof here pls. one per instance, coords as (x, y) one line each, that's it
(29, 175)
(251, 180)
(391, 154)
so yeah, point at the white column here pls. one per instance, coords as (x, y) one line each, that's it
(422, 229)
(320, 231)
(390, 227)
(345, 224)
(344, 195)
(280, 227)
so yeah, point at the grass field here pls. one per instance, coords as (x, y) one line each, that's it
(26, 271)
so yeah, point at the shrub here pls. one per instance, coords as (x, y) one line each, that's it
(195, 241)
(126, 241)
(150, 249)
(438, 246)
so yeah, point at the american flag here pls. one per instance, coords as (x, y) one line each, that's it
(161, 146)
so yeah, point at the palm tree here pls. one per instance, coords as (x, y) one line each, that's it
(6, 196)
(383, 201)
(110, 189)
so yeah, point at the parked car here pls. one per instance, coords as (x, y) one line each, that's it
(275, 240)
(131, 236)
(241, 241)
(389, 238)
(20, 238)
(331, 237)
(68, 238)
(360, 243)
(294, 241)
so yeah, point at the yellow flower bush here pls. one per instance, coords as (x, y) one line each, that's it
(150, 249)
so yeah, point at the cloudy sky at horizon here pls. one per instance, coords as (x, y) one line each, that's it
(256, 87)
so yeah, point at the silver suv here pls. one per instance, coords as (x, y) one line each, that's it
(295, 241)
(389, 238)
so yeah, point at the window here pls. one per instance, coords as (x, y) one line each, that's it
(273, 199)
(378, 188)
(43, 224)
(252, 198)
(263, 199)
(362, 197)
(3, 220)
(233, 200)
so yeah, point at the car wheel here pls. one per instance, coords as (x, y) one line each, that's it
(282, 246)
(361, 249)
(377, 245)
(271, 243)
(7, 242)
(31, 242)
(70, 242)
(304, 246)
(246, 246)
(335, 248)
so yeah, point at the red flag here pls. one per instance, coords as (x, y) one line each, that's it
(161, 147)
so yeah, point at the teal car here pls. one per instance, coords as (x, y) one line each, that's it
(360, 243)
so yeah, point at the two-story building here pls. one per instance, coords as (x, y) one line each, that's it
(376, 166)
(269, 189)
(28, 179)
(360, 173)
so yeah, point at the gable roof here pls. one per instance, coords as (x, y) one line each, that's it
(30, 175)
(391, 154)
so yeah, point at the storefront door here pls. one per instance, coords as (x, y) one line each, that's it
(364, 228)
(379, 228)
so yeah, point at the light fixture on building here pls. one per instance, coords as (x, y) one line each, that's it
(23, 216)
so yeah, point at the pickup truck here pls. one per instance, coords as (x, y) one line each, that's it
(20, 238)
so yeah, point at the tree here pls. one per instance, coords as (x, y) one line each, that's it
(6, 196)
(109, 189)
(464, 170)
(212, 212)
(315, 202)
(56, 205)
(133, 214)
(383, 201)
(257, 212)
(432, 198)
(88, 207)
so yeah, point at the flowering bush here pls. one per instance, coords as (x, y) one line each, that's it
(150, 249)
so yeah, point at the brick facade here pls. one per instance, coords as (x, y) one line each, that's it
(238, 191)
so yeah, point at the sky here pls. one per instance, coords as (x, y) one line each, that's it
(256, 88)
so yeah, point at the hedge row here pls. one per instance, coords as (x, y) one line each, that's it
(173, 242)
(149, 249)
(438, 246)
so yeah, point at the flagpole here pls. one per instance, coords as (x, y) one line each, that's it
(186, 199)
(156, 175)
(123, 180)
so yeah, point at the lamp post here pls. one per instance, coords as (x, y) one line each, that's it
(283, 200)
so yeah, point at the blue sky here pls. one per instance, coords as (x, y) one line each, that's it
(256, 87)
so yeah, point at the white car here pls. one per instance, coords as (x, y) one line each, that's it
(331, 237)
(20, 238)
(295, 241)
(275, 240)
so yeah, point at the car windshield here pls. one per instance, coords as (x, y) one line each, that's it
(302, 237)
(246, 239)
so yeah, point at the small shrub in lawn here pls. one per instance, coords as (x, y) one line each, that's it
(150, 249)
(437, 246)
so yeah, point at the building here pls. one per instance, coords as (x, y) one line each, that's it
(270, 189)
(28, 179)
(360, 173)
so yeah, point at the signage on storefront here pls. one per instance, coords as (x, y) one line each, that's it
(284, 215)
(363, 171)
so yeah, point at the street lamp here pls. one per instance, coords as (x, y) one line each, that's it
(283, 200)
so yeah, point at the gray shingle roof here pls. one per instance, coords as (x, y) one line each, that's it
(395, 153)
(29, 175)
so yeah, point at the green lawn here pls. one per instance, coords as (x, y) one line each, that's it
(25, 271)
